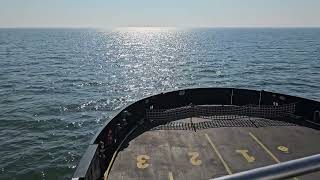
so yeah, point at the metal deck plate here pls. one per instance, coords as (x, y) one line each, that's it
(212, 152)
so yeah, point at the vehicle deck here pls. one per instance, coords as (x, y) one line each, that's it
(211, 152)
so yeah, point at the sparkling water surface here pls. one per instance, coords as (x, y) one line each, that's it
(58, 86)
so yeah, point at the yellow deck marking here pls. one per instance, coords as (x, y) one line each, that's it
(106, 173)
(142, 162)
(193, 159)
(170, 176)
(283, 149)
(218, 154)
(266, 149)
(245, 154)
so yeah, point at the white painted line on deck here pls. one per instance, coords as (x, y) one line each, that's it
(267, 150)
(218, 154)
(170, 176)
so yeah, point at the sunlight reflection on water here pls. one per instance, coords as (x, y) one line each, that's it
(58, 86)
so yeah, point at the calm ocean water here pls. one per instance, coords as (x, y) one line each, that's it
(58, 86)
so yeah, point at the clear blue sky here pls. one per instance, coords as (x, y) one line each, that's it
(173, 13)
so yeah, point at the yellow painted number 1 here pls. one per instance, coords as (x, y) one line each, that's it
(245, 154)
(142, 161)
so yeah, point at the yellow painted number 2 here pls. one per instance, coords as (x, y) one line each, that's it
(142, 161)
(193, 158)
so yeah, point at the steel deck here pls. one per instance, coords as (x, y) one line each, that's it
(211, 152)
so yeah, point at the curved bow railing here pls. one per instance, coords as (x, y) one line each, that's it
(104, 144)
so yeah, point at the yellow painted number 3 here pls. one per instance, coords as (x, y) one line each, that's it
(142, 161)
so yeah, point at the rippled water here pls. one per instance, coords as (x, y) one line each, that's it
(58, 86)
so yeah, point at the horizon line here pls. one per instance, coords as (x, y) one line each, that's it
(122, 27)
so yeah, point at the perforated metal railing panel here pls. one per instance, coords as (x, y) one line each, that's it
(219, 111)
(243, 122)
(209, 116)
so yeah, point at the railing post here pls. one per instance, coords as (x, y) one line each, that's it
(231, 98)
(260, 97)
(316, 116)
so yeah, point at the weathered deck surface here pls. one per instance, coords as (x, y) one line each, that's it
(214, 152)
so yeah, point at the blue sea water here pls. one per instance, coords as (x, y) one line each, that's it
(58, 86)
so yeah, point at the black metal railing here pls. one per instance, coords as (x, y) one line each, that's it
(221, 112)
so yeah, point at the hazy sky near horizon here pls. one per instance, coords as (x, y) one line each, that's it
(172, 13)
